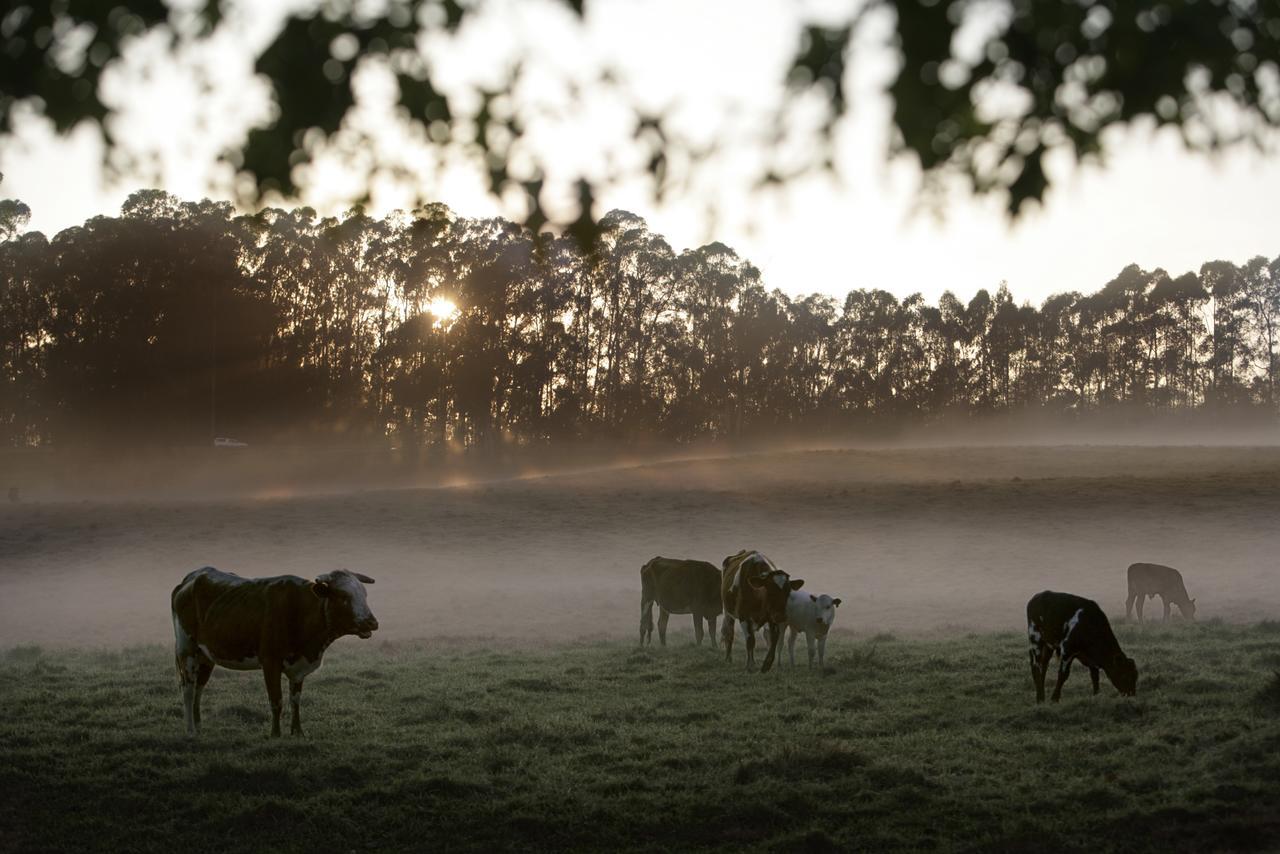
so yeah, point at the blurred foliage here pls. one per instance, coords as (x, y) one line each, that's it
(985, 89)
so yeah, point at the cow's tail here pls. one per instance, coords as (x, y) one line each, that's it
(647, 594)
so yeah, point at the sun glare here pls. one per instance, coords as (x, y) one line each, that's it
(443, 309)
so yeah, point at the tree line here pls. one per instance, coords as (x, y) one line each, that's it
(176, 321)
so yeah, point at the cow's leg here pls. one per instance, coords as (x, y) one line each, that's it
(646, 620)
(271, 673)
(1064, 670)
(295, 702)
(810, 643)
(822, 651)
(663, 616)
(775, 634)
(188, 672)
(1167, 606)
(749, 638)
(711, 631)
(727, 636)
(1141, 601)
(1128, 604)
(697, 629)
(205, 669)
(1041, 655)
(791, 645)
(1093, 675)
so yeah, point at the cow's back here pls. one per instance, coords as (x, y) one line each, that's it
(1050, 612)
(686, 586)
(221, 613)
(739, 599)
(1155, 578)
(731, 583)
(194, 595)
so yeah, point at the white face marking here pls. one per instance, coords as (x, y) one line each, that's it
(1033, 634)
(781, 580)
(826, 613)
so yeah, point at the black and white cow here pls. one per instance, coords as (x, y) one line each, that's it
(1073, 627)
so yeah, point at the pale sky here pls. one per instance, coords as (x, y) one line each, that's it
(712, 62)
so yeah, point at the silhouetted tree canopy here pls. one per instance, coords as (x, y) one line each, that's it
(983, 89)
(177, 321)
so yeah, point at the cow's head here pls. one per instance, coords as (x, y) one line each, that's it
(348, 608)
(775, 586)
(825, 608)
(1190, 611)
(1124, 675)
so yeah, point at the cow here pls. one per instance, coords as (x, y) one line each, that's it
(277, 625)
(1074, 627)
(679, 587)
(811, 615)
(1148, 580)
(755, 593)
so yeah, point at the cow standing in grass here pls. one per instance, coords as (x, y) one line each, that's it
(754, 592)
(1148, 580)
(276, 625)
(1073, 627)
(679, 587)
(813, 616)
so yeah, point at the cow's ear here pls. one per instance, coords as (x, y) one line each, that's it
(320, 588)
(756, 581)
(797, 583)
(362, 578)
(835, 602)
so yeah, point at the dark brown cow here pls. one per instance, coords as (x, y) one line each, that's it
(1074, 627)
(679, 587)
(755, 593)
(276, 625)
(1148, 580)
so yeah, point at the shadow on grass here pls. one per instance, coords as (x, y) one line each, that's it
(796, 764)
(1172, 829)
(1267, 699)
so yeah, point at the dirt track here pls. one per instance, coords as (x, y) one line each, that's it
(913, 540)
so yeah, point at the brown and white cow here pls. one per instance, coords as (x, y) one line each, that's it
(755, 593)
(277, 625)
(679, 587)
(1148, 580)
(1073, 627)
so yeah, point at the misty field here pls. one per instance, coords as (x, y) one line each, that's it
(899, 745)
(913, 539)
(503, 703)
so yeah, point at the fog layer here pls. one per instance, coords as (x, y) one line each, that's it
(924, 539)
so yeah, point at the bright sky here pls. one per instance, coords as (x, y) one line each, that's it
(1152, 203)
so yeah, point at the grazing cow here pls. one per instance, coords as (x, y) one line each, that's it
(755, 594)
(812, 615)
(1148, 580)
(276, 625)
(679, 587)
(1074, 627)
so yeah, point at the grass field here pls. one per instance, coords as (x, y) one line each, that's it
(901, 744)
